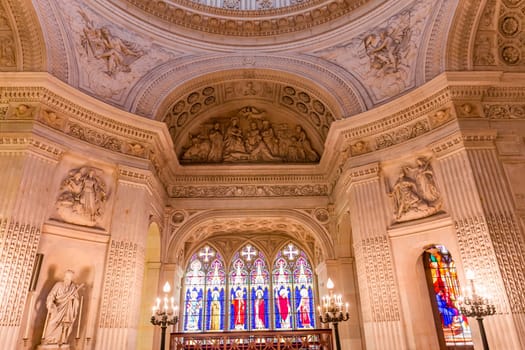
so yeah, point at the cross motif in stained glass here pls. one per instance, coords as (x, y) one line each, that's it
(290, 252)
(206, 253)
(248, 252)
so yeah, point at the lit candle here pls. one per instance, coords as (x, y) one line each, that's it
(158, 303)
(319, 309)
(346, 307)
(153, 311)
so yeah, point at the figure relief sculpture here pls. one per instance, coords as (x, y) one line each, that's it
(248, 136)
(117, 53)
(414, 193)
(82, 198)
(62, 310)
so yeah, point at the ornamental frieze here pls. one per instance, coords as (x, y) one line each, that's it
(248, 191)
(261, 23)
(504, 111)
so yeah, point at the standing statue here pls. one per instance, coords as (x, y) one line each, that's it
(62, 309)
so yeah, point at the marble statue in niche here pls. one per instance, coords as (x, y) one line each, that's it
(414, 193)
(248, 136)
(82, 198)
(117, 53)
(62, 305)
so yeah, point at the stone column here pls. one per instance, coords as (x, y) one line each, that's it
(120, 305)
(378, 288)
(489, 237)
(27, 172)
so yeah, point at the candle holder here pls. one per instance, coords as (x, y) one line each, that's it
(331, 311)
(165, 316)
(477, 306)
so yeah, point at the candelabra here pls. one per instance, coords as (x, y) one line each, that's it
(478, 307)
(165, 316)
(331, 311)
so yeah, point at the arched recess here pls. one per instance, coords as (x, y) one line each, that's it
(285, 224)
(158, 89)
(145, 336)
(27, 43)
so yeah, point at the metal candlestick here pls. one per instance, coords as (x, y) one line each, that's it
(332, 311)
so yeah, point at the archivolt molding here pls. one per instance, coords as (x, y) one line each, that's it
(153, 95)
(28, 43)
(185, 14)
(460, 42)
(297, 225)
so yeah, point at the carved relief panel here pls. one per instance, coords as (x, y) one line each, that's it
(414, 192)
(248, 135)
(7, 43)
(82, 197)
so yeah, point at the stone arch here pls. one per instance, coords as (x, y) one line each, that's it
(155, 91)
(28, 41)
(283, 222)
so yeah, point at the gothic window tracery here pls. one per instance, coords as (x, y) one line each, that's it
(247, 295)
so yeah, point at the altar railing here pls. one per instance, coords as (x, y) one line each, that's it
(305, 339)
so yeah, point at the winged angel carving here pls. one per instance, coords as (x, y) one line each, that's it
(99, 43)
(383, 58)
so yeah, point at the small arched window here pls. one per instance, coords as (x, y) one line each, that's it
(453, 328)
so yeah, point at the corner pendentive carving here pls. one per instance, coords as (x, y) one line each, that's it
(248, 136)
(414, 193)
(7, 43)
(99, 43)
(82, 197)
(382, 58)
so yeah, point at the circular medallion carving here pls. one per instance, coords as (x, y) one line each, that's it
(288, 100)
(195, 108)
(315, 118)
(302, 107)
(178, 107)
(289, 90)
(510, 54)
(509, 26)
(182, 119)
(178, 217)
(193, 97)
(318, 106)
(322, 215)
(209, 100)
(208, 91)
(304, 97)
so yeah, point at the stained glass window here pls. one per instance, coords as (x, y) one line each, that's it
(204, 296)
(454, 330)
(247, 296)
(293, 290)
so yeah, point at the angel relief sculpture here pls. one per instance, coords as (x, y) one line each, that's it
(385, 48)
(117, 53)
(414, 193)
(82, 197)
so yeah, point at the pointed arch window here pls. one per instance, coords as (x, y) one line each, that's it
(204, 292)
(443, 284)
(247, 295)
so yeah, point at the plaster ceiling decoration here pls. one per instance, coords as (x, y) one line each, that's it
(499, 41)
(248, 120)
(241, 18)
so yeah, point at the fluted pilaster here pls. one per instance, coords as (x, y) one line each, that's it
(377, 284)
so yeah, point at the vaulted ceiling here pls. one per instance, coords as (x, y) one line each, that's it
(297, 66)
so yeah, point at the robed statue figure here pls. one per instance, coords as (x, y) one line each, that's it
(62, 310)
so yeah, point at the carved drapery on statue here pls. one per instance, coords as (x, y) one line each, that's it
(82, 197)
(414, 193)
(62, 305)
(248, 136)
